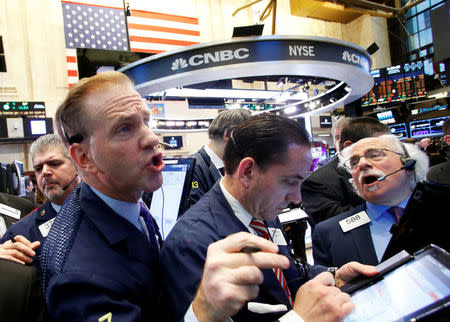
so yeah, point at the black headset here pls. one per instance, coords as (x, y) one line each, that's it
(408, 162)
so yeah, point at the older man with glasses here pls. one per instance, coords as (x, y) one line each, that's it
(384, 172)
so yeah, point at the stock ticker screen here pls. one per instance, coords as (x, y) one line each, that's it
(396, 83)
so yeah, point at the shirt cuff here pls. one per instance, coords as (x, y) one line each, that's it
(190, 316)
(291, 316)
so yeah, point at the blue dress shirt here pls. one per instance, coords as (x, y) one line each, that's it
(381, 222)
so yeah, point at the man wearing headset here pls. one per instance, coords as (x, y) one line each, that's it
(266, 159)
(385, 173)
(56, 177)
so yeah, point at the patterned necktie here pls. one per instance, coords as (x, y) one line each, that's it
(261, 229)
(145, 214)
(397, 212)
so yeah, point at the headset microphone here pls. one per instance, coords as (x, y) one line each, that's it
(67, 185)
(408, 166)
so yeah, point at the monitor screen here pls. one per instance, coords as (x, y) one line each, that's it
(35, 127)
(176, 142)
(399, 130)
(386, 117)
(15, 128)
(428, 127)
(172, 199)
(420, 286)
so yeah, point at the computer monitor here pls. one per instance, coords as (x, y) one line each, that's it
(36, 127)
(172, 199)
(15, 128)
(176, 141)
(399, 130)
(386, 117)
(427, 127)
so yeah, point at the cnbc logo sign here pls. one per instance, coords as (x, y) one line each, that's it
(354, 58)
(210, 57)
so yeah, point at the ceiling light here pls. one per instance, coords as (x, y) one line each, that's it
(290, 109)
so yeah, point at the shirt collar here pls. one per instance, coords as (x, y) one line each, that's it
(218, 163)
(128, 210)
(55, 206)
(376, 211)
(239, 211)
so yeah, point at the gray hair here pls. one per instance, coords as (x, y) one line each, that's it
(422, 162)
(339, 124)
(46, 141)
(225, 121)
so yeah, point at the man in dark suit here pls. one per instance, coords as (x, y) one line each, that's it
(327, 192)
(21, 298)
(209, 159)
(56, 177)
(440, 173)
(266, 159)
(101, 258)
(362, 234)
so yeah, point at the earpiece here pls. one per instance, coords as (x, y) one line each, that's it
(408, 162)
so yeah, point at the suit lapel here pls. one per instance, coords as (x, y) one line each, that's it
(363, 244)
(116, 230)
(228, 224)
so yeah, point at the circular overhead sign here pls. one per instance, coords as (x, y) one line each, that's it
(257, 56)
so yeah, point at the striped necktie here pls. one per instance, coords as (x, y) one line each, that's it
(261, 229)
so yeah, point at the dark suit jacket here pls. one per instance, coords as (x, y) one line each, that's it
(106, 265)
(327, 193)
(204, 177)
(21, 297)
(29, 228)
(22, 204)
(440, 173)
(333, 247)
(184, 252)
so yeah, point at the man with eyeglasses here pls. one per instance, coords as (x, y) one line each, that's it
(327, 192)
(384, 172)
(266, 159)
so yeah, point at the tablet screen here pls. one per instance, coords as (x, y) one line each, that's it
(407, 291)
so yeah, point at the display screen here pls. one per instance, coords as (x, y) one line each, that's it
(33, 128)
(169, 201)
(386, 117)
(176, 142)
(399, 130)
(408, 289)
(428, 127)
(38, 127)
(396, 83)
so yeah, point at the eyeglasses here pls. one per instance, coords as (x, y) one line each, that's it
(370, 154)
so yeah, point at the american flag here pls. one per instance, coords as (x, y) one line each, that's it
(100, 24)
(153, 32)
(72, 66)
(92, 24)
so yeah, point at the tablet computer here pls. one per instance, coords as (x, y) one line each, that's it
(417, 289)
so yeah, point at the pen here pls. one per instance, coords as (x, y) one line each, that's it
(11, 238)
(250, 249)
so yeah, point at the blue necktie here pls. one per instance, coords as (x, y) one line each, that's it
(145, 213)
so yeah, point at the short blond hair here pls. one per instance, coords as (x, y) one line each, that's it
(71, 116)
